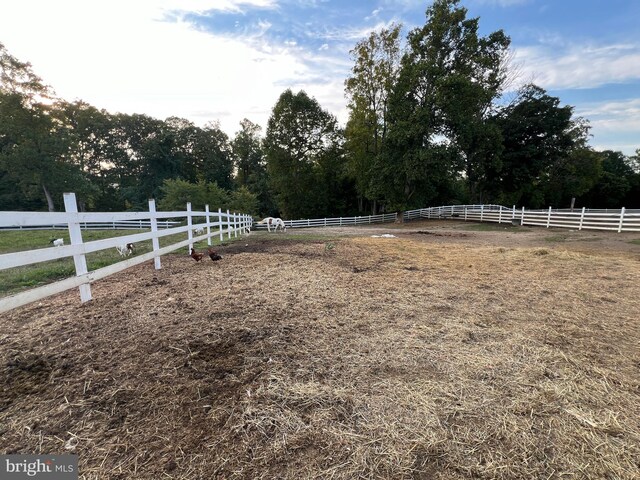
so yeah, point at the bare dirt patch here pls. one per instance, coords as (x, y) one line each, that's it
(466, 354)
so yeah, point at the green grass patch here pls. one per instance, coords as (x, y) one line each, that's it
(13, 280)
(635, 241)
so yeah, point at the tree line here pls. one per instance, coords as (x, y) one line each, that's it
(430, 122)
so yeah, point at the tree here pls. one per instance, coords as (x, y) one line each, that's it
(616, 181)
(377, 60)
(33, 138)
(438, 109)
(33, 155)
(17, 77)
(175, 193)
(572, 176)
(215, 159)
(247, 151)
(299, 135)
(243, 201)
(539, 135)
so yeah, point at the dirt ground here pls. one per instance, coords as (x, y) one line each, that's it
(443, 353)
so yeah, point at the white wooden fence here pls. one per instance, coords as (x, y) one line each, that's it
(621, 220)
(119, 225)
(614, 220)
(334, 222)
(213, 224)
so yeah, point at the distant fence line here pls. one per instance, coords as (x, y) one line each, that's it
(621, 220)
(334, 222)
(211, 224)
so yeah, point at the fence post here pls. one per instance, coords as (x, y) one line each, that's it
(513, 213)
(206, 209)
(235, 224)
(228, 225)
(154, 229)
(465, 213)
(190, 225)
(549, 218)
(581, 218)
(481, 211)
(340, 221)
(75, 235)
(500, 215)
(522, 217)
(220, 224)
(621, 220)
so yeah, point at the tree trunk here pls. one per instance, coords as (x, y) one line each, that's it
(52, 207)
(374, 206)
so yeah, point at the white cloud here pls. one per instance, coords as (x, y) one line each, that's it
(120, 56)
(618, 116)
(614, 125)
(578, 66)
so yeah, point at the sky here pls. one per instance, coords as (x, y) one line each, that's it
(225, 60)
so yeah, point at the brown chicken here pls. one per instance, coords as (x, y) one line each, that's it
(213, 254)
(197, 256)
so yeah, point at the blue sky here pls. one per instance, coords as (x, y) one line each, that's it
(224, 60)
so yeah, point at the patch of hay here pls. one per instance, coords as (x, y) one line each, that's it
(403, 359)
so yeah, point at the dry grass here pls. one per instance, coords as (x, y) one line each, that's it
(377, 358)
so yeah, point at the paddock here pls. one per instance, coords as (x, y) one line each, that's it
(446, 352)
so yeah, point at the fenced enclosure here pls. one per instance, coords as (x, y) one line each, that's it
(335, 221)
(621, 220)
(216, 224)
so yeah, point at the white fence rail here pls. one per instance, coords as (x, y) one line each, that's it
(335, 222)
(210, 224)
(621, 220)
(120, 225)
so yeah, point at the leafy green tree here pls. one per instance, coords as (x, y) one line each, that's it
(572, 176)
(616, 181)
(176, 193)
(33, 154)
(468, 72)
(247, 151)
(33, 139)
(213, 148)
(17, 77)
(377, 60)
(299, 135)
(539, 135)
(243, 201)
(438, 109)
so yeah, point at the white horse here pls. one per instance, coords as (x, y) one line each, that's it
(274, 222)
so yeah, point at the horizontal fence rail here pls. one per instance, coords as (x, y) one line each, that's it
(120, 225)
(334, 222)
(621, 220)
(199, 226)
